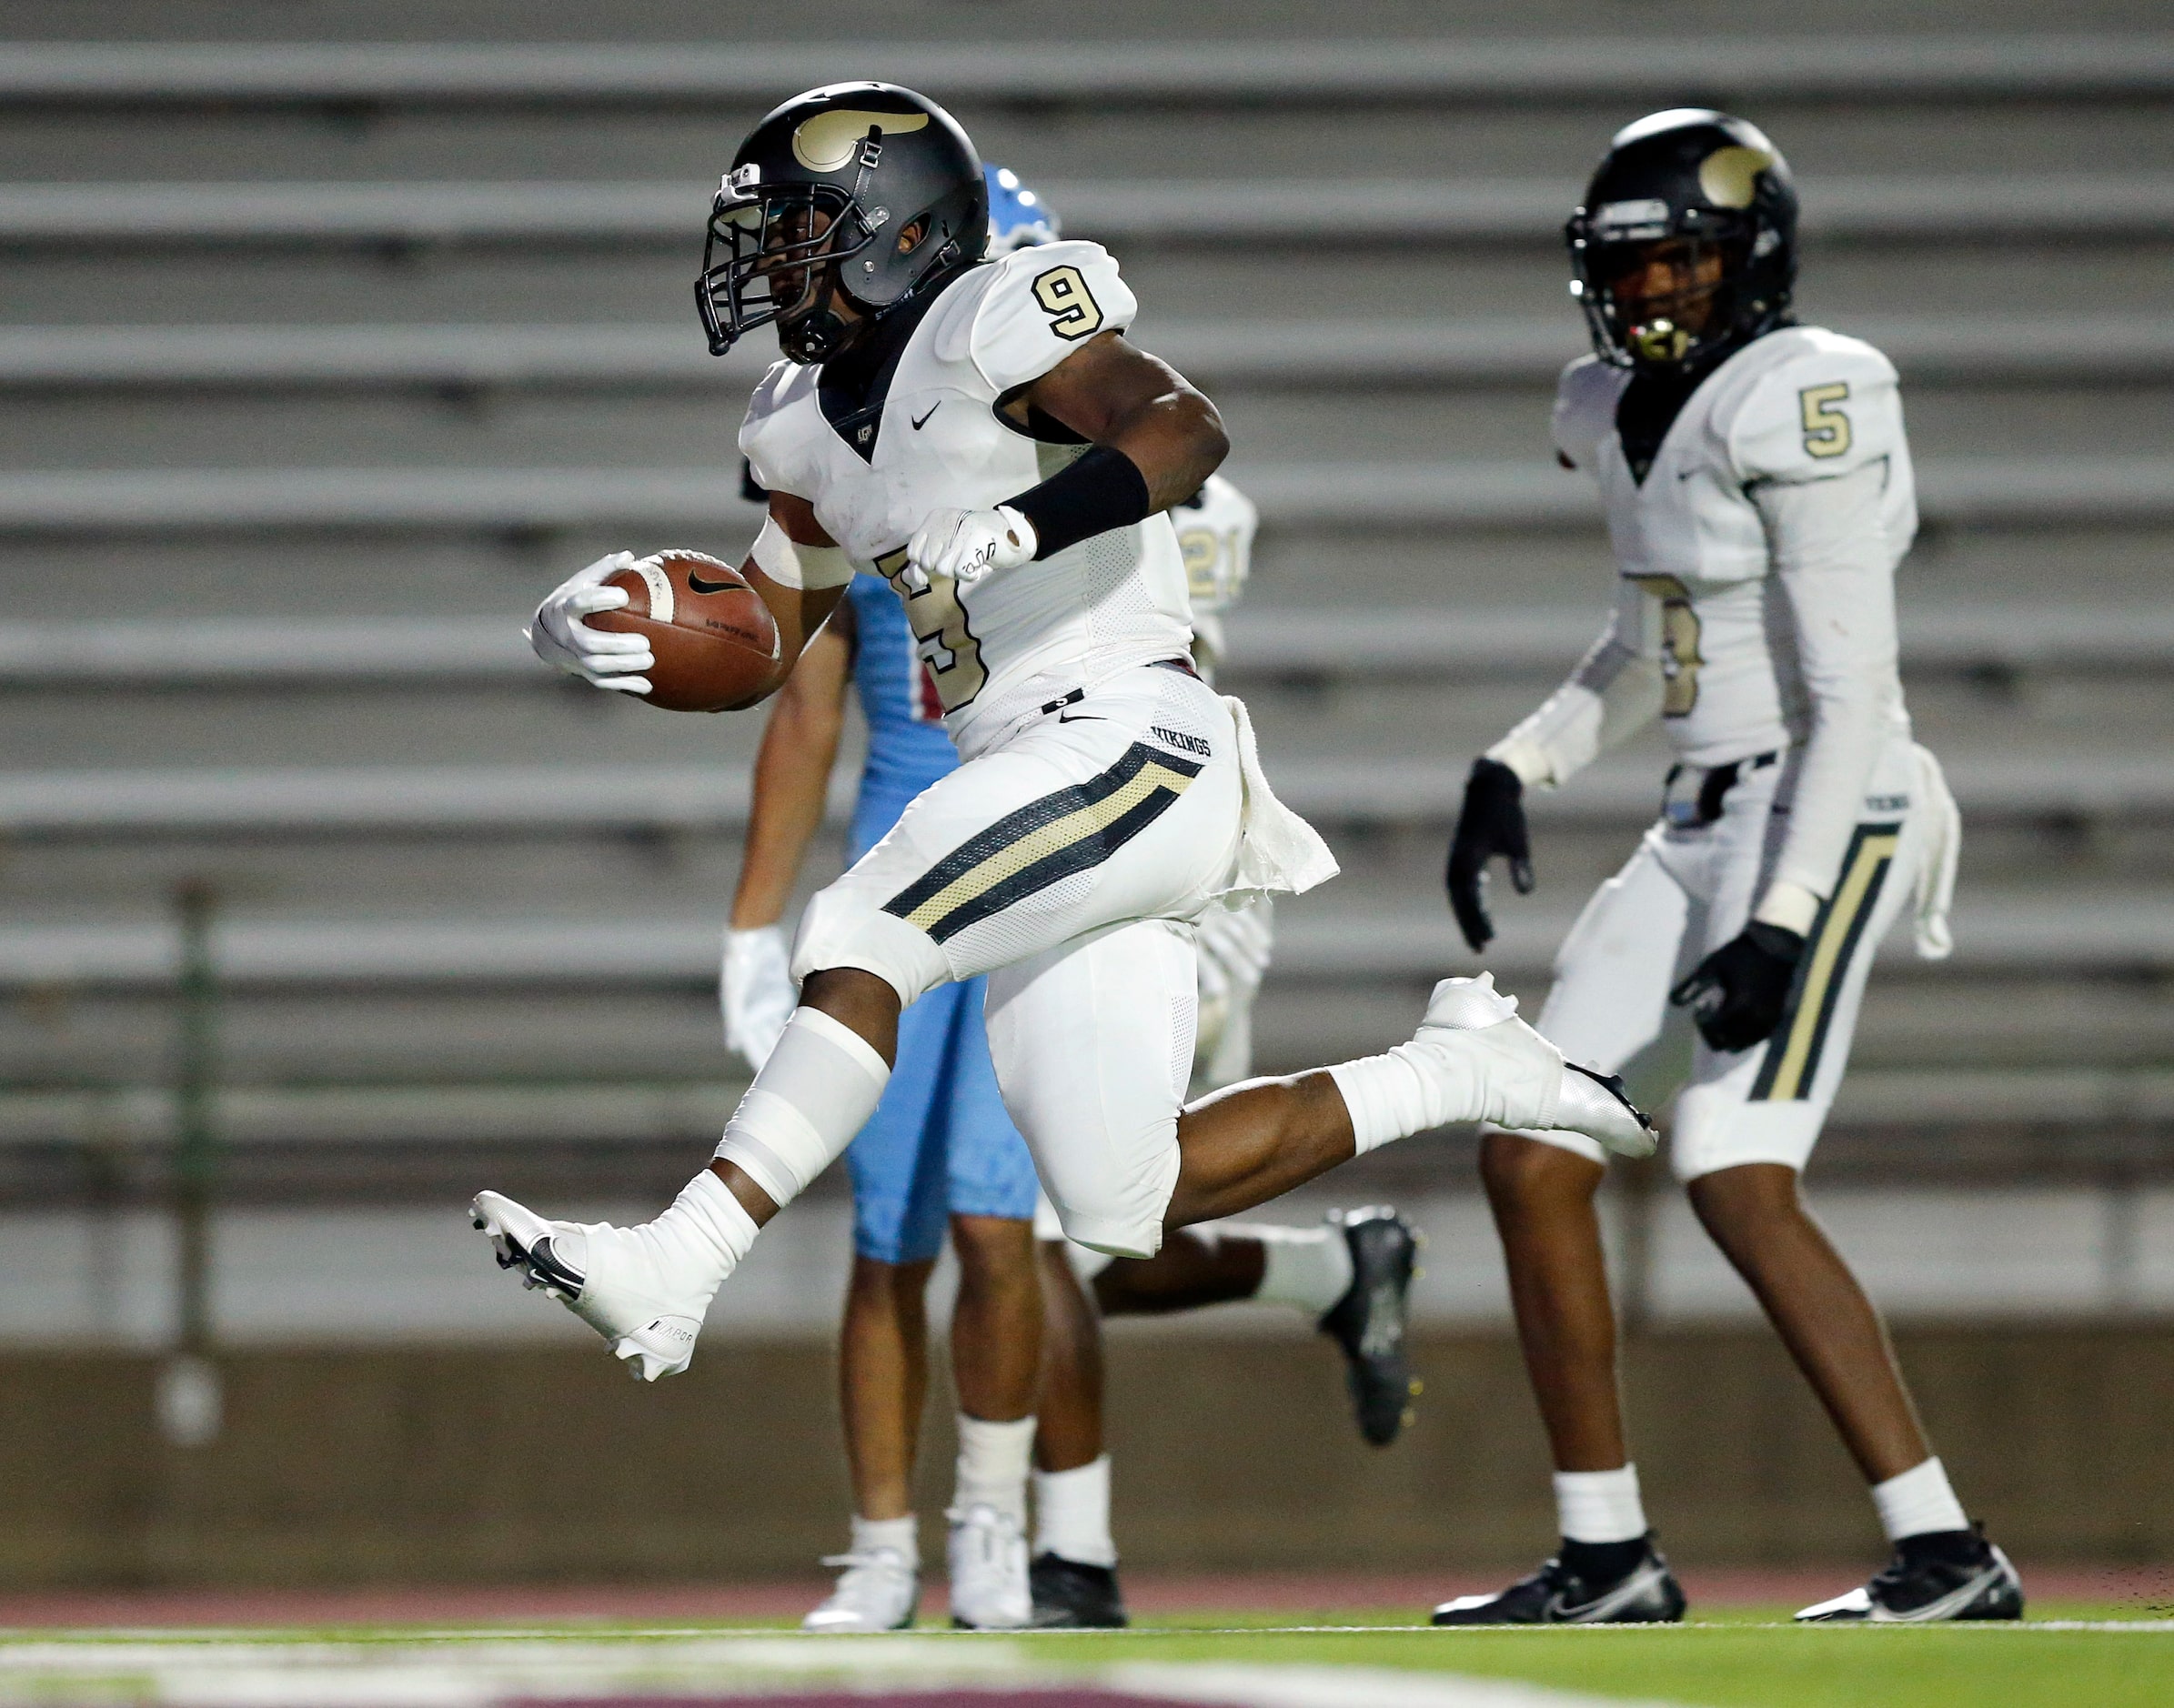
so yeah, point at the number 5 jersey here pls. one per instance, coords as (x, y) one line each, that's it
(925, 431)
(1757, 532)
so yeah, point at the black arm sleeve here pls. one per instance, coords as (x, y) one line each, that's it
(1104, 490)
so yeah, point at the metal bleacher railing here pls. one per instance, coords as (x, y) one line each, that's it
(1920, 207)
(1975, 638)
(577, 800)
(1520, 496)
(2002, 934)
(1928, 67)
(2109, 349)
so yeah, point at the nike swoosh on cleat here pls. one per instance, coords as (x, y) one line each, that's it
(1946, 1607)
(550, 1272)
(1601, 1606)
(1612, 1083)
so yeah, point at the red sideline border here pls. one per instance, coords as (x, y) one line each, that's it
(2149, 1588)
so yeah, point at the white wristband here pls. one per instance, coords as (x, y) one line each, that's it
(798, 567)
(1530, 759)
(1790, 906)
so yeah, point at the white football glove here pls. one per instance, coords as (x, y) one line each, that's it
(966, 545)
(755, 990)
(562, 641)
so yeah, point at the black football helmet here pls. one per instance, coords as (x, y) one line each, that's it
(1708, 182)
(861, 189)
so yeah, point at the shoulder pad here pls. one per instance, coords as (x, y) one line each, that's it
(1585, 411)
(1039, 304)
(1818, 405)
(764, 438)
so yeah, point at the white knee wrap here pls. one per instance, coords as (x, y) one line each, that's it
(818, 1089)
(845, 926)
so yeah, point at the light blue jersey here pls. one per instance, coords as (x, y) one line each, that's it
(940, 1142)
(907, 748)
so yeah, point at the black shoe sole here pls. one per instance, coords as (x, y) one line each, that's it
(1069, 1596)
(1369, 1322)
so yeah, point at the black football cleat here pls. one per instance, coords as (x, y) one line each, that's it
(1069, 1596)
(1947, 1574)
(1647, 1594)
(1368, 1322)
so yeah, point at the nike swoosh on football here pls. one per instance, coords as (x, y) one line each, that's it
(932, 409)
(695, 584)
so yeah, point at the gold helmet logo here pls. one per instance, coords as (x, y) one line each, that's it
(827, 141)
(1728, 177)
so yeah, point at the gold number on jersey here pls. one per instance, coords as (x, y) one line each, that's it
(1202, 548)
(1680, 658)
(946, 645)
(1825, 428)
(1073, 310)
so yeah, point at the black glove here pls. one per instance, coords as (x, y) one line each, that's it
(1736, 994)
(1492, 823)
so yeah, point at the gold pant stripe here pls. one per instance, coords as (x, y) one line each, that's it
(1784, 1080)
(1044, 840)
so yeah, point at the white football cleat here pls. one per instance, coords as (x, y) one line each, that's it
(616, 1279)
(1529, 1084)
(987, 1551)
(878, 1590)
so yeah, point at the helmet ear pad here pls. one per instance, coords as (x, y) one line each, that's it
(954, 231)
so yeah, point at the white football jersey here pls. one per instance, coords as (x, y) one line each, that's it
(1020, 638)
(1215, 535)
(1799, 404)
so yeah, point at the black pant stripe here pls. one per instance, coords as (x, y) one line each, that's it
(1791, 1066)
(1078, 857)
(1099, 836)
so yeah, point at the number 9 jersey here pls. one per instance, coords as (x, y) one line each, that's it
(1799, 404)
(932, 436)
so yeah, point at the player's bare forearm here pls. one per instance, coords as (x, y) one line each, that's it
(792, 776)
(1113, 394)
(799, 612)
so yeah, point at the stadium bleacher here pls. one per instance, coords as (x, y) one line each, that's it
(323, 359)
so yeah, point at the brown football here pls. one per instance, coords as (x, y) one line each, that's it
(716, 643)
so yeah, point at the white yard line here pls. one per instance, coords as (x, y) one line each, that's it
(219, 1671)
(477, 1669)
(1342, 1686)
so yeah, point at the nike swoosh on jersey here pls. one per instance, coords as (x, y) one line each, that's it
(922, 420)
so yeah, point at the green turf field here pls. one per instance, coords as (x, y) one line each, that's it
(2078, 1656)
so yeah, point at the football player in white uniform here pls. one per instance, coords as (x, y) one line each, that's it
(981, 435)
(940, 1155)
(1758, 493)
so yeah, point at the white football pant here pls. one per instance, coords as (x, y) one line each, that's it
(1066, 865)
(1687, 890)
